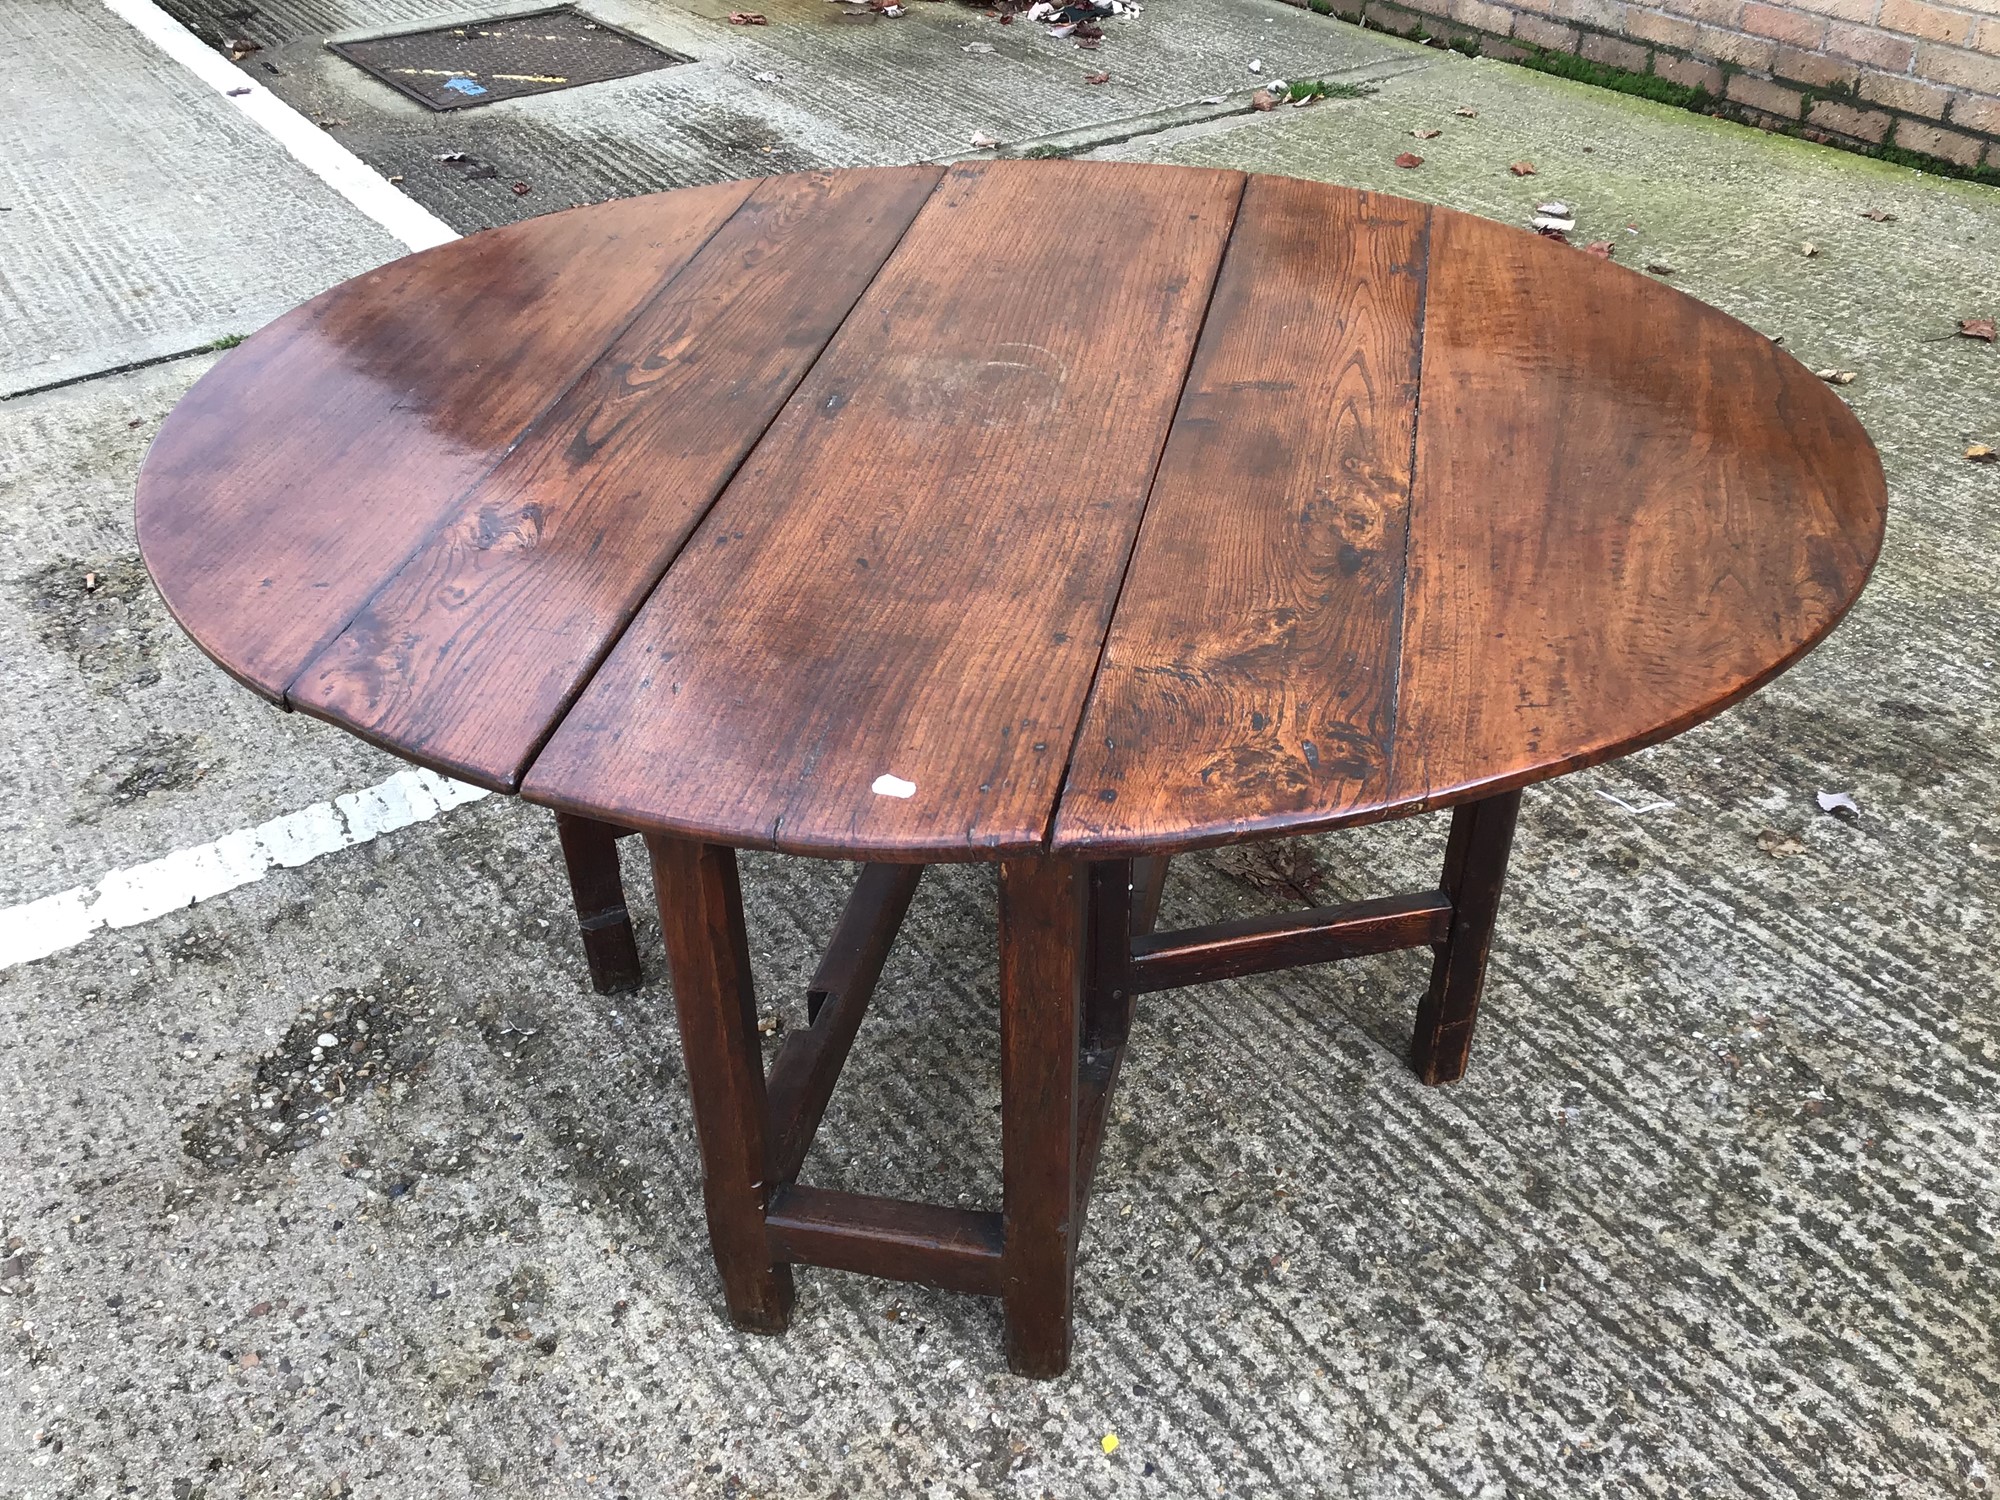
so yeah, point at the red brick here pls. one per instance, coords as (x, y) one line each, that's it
(1552, 35)
(1504, 51)
(1988, 40)
(1715, 12)
(1761, 93)
(1784, 25)
(1614, 53)
(1481, 16)
(1869, 125)
(1754, 52)
(1966, 70)
(1864, 44)
(1931, 22)
(1688, 72)
(1662, 30)
(1608, 15)
(1905, 94)
(1930, 140)
(1976, 112)
(1814, 71)
(1393, 18)
(1428, 7)
(1840, 10)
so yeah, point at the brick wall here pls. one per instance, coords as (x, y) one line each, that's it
(1907, 74)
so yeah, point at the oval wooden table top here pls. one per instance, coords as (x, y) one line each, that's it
(937, 514)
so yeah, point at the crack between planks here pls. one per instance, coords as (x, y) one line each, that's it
(1139, 525)
(1410, 503)
(613, 639)
(456, 505)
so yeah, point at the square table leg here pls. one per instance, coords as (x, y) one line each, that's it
(590, 853)
(1475, 869)
(708, 953)
(1044, 932)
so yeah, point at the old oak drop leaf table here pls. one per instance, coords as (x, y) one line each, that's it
(1065, 515)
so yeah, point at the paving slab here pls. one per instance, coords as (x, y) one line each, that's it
(810, 89)
(144, 215)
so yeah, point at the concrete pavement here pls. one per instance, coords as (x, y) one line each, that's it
(1713, 1214)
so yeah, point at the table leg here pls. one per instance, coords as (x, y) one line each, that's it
(701, 915)
(1044, 931)
(1475, 869)
(590, 851)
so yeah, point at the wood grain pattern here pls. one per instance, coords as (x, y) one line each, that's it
(1630, 510)
(467, 657)
(912, 574)
(299, 472)
(1249, 677)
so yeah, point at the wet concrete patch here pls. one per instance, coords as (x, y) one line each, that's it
(103, 614)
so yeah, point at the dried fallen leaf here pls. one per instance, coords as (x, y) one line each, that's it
(1550, 232)
(1777, 844)
(1602, 249)
(1836, 377)
(1976, 328)
(1979, 453)
(746, 18)
(1284, 869)
(1466, 112)
(1660, 269)
(1523, 169)
(984, 141)
(1409, 159)
(1097, 78)
(1837, 802)
(1426, 135)
(1878, 216)
(1263, 100)
(1808, 249)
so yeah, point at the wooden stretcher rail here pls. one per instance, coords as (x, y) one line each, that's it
(1257, 945)
(954, 1249)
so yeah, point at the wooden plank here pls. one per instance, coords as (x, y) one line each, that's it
(1285, 940)
(301, 470)
(953, 1249)
(912, 573)
(1044, 927)
(1629, 511)
(466, 658)
(1249, 676)
(808, 1065)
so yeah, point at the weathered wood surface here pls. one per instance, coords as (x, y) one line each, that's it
(1213, 509)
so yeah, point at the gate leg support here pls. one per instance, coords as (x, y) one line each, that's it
(1475, 869)
(701, 914)
(590, 851)
(1044, 928)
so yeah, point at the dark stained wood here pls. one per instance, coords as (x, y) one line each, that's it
(468, 656)
(590, 856)
(1249, 679)
(807, 1066)
(922, 554)
(1261, 944)
(1630, 510)
(1107, 995)
(701, 914)
(1149, 884)
(1043, 930)
(954, 1249)
(1475, 869)
(300, 471)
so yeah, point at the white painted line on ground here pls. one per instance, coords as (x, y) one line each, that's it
(315, 150)
(126, 898)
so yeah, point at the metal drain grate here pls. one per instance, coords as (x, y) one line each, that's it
(482, 62)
